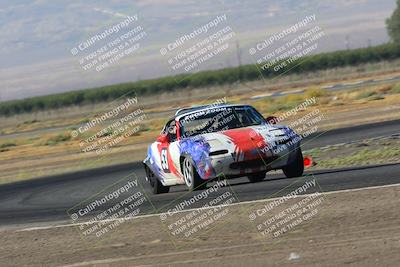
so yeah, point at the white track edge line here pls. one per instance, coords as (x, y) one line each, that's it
(188, 210)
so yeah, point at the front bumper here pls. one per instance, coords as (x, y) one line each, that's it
(225, 165)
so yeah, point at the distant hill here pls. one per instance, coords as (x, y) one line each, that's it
(36, 36)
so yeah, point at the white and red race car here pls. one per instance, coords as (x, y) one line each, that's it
(225, 141)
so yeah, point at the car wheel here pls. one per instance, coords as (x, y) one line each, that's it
(156, 185)
(296, 168)
(256, 177)
(192, 178)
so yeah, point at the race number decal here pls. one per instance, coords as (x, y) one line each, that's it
(164, 160)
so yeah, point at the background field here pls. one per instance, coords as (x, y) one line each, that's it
(39, 143)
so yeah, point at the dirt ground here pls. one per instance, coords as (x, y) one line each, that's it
(352, 228)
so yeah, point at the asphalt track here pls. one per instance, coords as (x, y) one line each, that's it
(47, 199)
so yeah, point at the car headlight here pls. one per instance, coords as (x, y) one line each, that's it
(214, 143)
(278, 132)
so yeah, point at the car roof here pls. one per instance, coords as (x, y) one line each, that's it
(187, 111)
(195, 108)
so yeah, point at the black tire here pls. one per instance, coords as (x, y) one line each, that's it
(256, 177)
(296, 168)
(156, 186)
(192, 178)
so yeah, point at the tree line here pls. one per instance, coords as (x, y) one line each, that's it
(225, 76)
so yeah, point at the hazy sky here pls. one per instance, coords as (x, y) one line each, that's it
(36, 37)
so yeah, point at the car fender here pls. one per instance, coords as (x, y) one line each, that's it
(198, 150)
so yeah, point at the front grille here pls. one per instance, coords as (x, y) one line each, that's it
(254, 163)
(218, 152)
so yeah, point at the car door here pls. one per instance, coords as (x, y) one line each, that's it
(169, 153)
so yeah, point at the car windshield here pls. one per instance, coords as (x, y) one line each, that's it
(219, 119)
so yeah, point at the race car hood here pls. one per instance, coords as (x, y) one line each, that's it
(245, 143)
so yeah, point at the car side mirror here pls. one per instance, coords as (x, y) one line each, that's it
(163, 138)
(271, 119)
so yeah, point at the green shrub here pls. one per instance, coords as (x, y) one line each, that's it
(365, 94)
(8, 144)
(317, 92)
(376, 97)
(395, 89)
(54, 140)
(30, 122)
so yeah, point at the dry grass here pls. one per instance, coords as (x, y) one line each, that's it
(41, 153)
